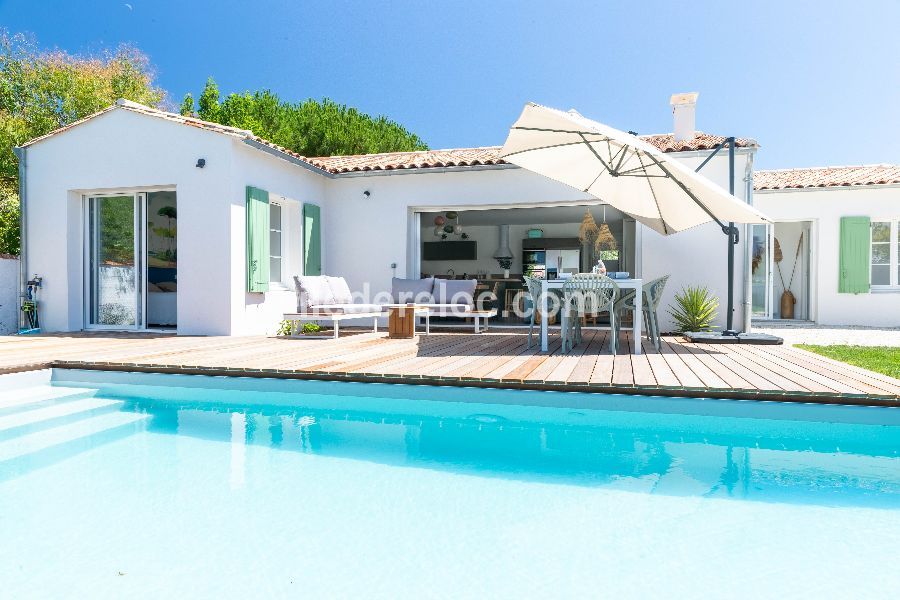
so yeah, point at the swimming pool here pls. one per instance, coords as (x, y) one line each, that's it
(136, 485)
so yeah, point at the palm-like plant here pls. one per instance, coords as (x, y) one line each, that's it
(695, 309)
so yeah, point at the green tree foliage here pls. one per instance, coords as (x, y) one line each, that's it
(41, 91)
(187, 105)
(310, 128)
(209, 102)
(9, 223)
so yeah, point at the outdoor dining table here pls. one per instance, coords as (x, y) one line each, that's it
(626, 284)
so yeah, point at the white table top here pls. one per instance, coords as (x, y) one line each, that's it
(631, 282)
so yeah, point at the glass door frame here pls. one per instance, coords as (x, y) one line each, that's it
(770, 265)
(140, 260)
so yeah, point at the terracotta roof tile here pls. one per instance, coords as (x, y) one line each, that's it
(390, 161)
(424, 159)
(489, 155)
(825, 177)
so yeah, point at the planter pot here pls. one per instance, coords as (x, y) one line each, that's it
(787, 305)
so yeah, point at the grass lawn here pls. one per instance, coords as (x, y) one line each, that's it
(883, 359)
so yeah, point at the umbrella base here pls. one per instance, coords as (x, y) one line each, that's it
(714, 337)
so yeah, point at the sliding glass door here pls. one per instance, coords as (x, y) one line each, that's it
(114, 271)
(131, 261)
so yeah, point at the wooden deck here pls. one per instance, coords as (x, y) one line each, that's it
(495, 359)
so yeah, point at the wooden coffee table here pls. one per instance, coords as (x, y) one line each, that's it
(402, 320)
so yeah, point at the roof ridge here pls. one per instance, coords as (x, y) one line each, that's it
(865, 166)
(491, 147)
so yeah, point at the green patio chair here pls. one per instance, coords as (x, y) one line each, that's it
(651, 294)
(587, 293)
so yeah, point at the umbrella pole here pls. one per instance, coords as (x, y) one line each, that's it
(732, 233)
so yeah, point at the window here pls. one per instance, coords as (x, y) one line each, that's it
(885, 253)
(276, 254)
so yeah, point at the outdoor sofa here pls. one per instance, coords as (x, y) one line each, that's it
(325, 298)
(443, 298)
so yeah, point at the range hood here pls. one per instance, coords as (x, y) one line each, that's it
(503, 251)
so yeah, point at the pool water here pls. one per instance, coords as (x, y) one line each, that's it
(154, 486)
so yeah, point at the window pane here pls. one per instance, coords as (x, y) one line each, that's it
(881, 254)
(275, 243)
(275, 216)
(274, 269)
(881, 231)
(881, 274)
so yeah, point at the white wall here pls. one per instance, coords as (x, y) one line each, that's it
(366, 235)
(121, 150)
(825, 207)
(363, 236)
(9, 295)
(124, 151)
(698, 256)
(260, 313)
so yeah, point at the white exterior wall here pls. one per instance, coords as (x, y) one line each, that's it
(824, 208)
(366, 235)
(117, 151)
(699, 256)
(9, 295)
(260, 313)
(361, 236)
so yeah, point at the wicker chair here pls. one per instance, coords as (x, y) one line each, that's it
(587, 293)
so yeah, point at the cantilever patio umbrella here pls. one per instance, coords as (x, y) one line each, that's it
(625, 172)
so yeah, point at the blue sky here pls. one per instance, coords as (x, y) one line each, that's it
(816, 83)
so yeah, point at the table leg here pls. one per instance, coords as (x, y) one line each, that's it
(638, 318)
(545, 345)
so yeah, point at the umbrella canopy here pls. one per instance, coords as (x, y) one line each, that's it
(621, 170)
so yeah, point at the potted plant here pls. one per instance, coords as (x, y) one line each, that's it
(695, 309)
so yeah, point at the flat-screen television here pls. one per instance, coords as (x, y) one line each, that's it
(456, 250)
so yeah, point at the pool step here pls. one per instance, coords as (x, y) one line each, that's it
(15, 400)
(42, 417)
(27, 452)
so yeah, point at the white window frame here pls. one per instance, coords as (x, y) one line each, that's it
(893, 261)
(281, 232)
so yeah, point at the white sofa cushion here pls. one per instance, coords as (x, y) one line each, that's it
(455, 291)
(412, 290)
(340, 291)
(312, 290)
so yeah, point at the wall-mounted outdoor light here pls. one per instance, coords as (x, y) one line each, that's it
(201, 162)
(367, 193)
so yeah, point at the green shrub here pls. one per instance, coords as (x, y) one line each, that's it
(287, 328)
(695, 309)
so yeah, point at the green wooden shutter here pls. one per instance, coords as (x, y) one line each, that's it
(856, 235)
(312, 240)
(257, 240)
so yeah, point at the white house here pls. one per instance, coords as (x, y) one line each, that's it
(840, 226)
(141, 219)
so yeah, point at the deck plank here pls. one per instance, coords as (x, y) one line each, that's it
(495, 357)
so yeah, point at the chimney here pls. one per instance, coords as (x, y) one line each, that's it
(684, 109)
